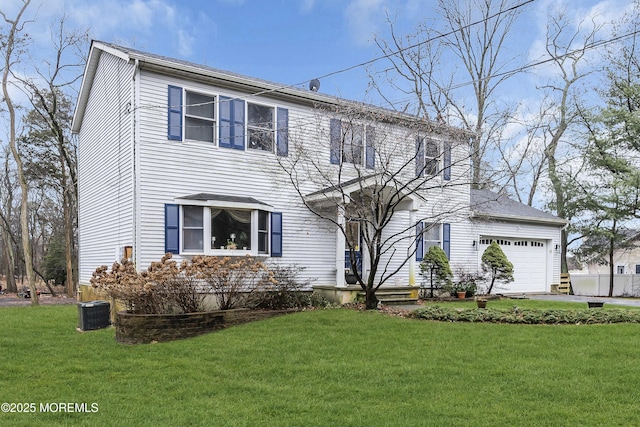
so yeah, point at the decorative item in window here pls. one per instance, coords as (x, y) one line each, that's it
(231, 243)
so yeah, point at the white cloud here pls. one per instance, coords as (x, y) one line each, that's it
(365, 18)
(307, 5)
(185, 43)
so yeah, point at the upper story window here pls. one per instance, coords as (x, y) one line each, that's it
(260, 127)
(430, 160)
(239, 124)
(431, 157)
(352, 143)
(199, 118)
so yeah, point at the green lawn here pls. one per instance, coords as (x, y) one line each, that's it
(324, 368)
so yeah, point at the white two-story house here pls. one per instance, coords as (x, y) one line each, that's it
(184, 158)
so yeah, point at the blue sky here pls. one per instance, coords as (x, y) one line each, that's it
(285, 41)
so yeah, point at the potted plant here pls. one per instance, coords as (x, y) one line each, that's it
(464, 288)
(231, 244)
(481, 301)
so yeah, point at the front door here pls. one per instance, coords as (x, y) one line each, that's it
(355, 239)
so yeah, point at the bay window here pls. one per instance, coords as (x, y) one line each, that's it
(213, 230)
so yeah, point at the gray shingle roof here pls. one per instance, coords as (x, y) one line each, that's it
(223, 198)
(488, 204)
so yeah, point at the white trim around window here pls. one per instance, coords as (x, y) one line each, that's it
(209, 238)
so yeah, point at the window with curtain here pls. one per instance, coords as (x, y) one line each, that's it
(209, 230)
(230, 227)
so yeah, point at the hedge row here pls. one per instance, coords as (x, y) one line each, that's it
(527, 316)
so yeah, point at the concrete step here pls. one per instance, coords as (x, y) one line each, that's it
(393, 297)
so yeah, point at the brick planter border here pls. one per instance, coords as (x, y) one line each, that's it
(145, 328)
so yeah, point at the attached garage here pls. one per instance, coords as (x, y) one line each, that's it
(529, 259)
(529, 237)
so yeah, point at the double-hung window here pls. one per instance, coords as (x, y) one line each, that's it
(192, 229)
(430, 160)
(260, 127)
(200, 118)
(352, 143)
(431, 157)
(353, 146)
(432, 234)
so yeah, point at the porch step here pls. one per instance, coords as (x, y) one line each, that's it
(393, 297)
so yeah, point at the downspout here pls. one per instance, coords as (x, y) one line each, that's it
(135, 86)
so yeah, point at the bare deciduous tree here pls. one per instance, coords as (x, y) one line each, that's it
(379, 185)
(473, 34)
(14, 40)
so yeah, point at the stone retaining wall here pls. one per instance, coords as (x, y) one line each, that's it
(145, 328)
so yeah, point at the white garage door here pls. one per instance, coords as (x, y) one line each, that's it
(529, 259)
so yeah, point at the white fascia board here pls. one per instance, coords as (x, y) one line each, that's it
(514, 218)
(90, 68)
(224, 205)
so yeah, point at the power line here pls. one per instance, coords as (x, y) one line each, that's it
(370, 61)
(532, 64)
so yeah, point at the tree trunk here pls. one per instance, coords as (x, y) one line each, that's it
(9, 45)
(493, 280)
(371, 300)
(68, 232)
(10, 260)
(611, 267)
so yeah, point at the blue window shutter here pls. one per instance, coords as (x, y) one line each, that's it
(370, 150)
(446, 239)
(283, 132)
(231, 123)
(419, 241)
(419, 156)
(334, 134)
(171, 228)
(174, 113)
(276, 234)
(446, 172)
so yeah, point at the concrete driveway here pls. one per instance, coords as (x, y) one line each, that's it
(634, 302)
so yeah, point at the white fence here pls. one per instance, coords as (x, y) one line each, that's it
(624, 285)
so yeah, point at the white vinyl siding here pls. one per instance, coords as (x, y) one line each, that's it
(167, 170)
(105, 169)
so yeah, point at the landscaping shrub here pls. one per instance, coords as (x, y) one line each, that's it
(283, 289)
(163, 289)
(496, 264)
(230, 279)
(527, 316)
(167, 288)
(435, 268)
